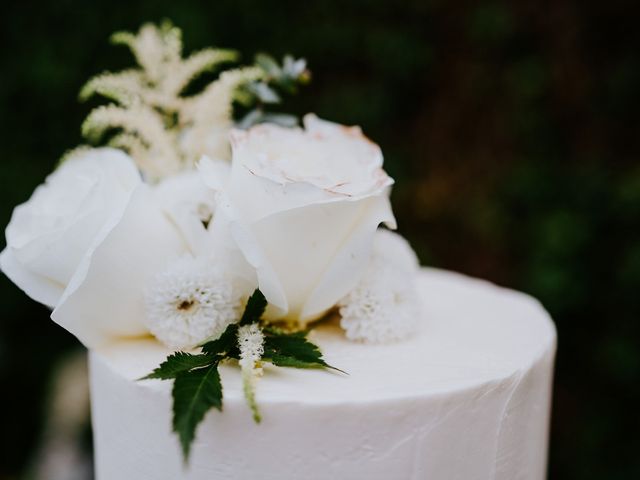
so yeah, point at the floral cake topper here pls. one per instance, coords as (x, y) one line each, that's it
(214, 224)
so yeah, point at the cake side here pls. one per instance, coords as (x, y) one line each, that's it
(468, 398)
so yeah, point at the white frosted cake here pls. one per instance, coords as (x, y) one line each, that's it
(467, 398)
(248, 311)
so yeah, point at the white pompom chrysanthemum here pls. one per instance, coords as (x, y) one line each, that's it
(385, 306)
(389, 248)
(189, 303)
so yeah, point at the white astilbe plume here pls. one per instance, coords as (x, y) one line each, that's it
(208, 116)
(385, 306)
(189, 303)
(164, 130)
(147, 139)
(251, 344)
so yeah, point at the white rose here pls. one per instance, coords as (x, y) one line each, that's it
(105, 300)
(49, 235)
(303, 207)
(87, 243)
(190, 205)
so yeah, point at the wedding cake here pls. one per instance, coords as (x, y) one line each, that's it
(249, 312)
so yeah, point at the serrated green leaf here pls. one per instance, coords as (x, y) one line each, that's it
(293, 350)
(285, 361)
(194, 394)
(178, 363)
(256, 305)
(293, 345)
(226, 345)
(275, 330)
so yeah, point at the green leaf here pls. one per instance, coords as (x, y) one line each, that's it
(256, 305)
(194, 394)
(287, 361)
(282, 119)
(293, 350)
(268, 64)
(178, 363)
(264, 92)
(226, 345)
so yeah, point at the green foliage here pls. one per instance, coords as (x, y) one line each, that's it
(292, 350)
(276, 78)
(195, 392)
(197, 386)
(180, 362)
(224, 346)
(255, 308)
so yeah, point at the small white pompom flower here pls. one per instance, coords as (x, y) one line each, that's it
(189, 303)
(391, 248)
(385, 306)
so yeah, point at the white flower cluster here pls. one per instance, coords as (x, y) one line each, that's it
(190, 303)
(385, 306)
(251, 344)
(144, 99)
(293, 212)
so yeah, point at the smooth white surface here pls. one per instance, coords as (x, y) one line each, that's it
(468, 398)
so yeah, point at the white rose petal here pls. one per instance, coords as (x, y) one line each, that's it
(105, 300)
(303, 206)
(190, 205)
(65, 219)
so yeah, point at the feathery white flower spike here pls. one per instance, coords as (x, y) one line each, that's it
(189, 303)
(164, 130)
(251, 344)
(385, 306)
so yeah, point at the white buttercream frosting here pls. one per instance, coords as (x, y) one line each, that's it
(465, 398)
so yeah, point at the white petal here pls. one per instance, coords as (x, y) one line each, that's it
(57, 257)
(39, 288)
(215, 173)
(303, 267)
(257, 197)
(50, 234)
(350, 260)
(187, 200)
(237, 248)
(105, 301)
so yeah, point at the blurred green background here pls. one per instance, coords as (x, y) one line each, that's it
(512, 131)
